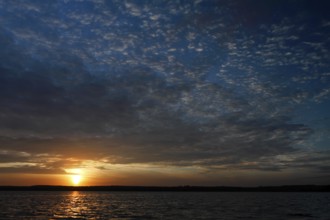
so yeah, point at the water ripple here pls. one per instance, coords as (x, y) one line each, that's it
(163, 205)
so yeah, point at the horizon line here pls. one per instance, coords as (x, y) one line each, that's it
(183, 188)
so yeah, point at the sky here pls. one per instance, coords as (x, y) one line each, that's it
(204, 92)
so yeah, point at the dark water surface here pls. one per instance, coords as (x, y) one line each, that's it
(164, 205)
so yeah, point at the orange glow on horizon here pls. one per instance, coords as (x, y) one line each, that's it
(75, 175)
(76, 179)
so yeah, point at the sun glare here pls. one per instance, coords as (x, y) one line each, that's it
(76, 179)
(75, 175)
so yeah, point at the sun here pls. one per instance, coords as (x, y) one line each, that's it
(76, 179)
(75, 175)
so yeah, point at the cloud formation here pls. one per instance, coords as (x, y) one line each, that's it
(197, 83)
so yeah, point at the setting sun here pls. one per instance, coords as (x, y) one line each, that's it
(75, 175)
(76, 179)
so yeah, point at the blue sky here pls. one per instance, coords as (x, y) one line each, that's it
(194, 91)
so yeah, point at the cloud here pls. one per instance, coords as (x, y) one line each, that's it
(170, 84)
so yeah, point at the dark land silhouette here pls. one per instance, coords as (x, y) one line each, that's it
(284, 188)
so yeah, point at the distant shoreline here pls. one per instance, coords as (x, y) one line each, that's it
(284, 188)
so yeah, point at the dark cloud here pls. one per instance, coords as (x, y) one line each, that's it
(169, 83)
(29, 170)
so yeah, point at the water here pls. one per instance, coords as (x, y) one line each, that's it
(164, 205)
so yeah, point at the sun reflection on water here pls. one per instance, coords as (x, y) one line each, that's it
(160, 205)
(74, 206)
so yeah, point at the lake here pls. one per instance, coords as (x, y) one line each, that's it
(164, 205)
